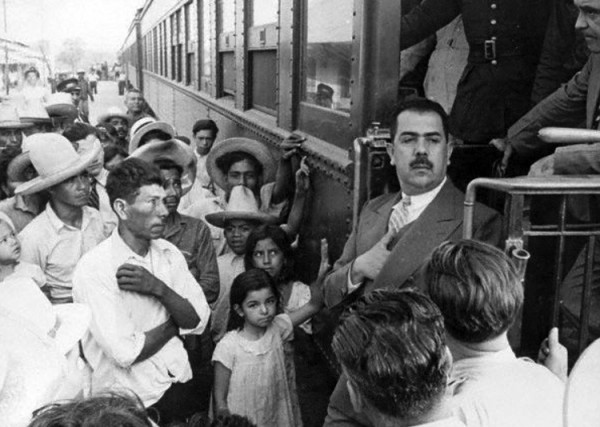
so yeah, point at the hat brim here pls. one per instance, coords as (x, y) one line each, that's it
(61, 110)
(74, 322)
(15, 125)
(162, 126)
(246, 145)
(218, 219)
(37, 120)
(104, 118)
(176, 151)
(16, 167)
(40, 183)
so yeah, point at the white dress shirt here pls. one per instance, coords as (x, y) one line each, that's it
(418, 203)
(121, 318)
(56, 247)
(109, 217)
(500, 390)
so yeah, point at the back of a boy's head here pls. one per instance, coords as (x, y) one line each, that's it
(477, 288)
(391, 344)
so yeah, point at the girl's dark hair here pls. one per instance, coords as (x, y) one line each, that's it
(281, 239)
(254, 279)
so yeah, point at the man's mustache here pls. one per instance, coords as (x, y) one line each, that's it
(421, 162)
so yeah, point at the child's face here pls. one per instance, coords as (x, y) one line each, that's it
(258, 308)
(236, 234)
(267, 256)
(10, 248)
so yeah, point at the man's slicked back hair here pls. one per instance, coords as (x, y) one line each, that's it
(421, 106)
(229, 159)
(126, 179)
(391, 345)
(477, 288)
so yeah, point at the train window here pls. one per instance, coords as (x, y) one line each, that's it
(328, 54)
(191, 43)
(226, 16)
(207, 31)
(266, 13)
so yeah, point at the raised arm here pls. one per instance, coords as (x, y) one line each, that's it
(297, 211)
(285, 168)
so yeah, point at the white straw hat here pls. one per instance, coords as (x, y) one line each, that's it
(242, 205)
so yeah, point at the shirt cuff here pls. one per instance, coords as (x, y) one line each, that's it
(351, 287)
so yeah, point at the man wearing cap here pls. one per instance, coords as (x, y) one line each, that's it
(193, 238)
(120, 121)
(142, 297)
(11, 126)
(62, 111)
(58, 237)
(71, 86)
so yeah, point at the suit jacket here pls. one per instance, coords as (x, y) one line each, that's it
(442, 220)
(570, 106)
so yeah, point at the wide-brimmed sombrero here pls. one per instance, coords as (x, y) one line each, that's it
(145, 129)
(259, 151)
(176, 151)
(60, 105)
(242, 205)
(55, 160)
(34, 112)
(114, 112)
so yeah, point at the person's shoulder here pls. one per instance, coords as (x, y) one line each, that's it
(38, 226)
(195, 222)
(97, 256)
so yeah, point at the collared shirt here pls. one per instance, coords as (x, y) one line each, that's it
(56, 247)
(109, 217)
(416, 207)
(120, 318)
(499, 389)
(201, 189)
(192, 237)
(19, 210)
(230, 266)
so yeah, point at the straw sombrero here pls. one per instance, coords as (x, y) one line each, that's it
(145, 129)
(242, 205)
(55, 160)
(114, 112)
(246, 145)
(174, 150)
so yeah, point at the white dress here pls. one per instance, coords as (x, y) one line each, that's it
(259, 387)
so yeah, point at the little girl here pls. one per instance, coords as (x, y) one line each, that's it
(10, 253)
(250, 367)
(269, 248)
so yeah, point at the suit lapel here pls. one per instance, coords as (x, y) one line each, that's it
(374, 226)
(437, 222)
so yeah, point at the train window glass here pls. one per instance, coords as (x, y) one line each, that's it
(263, 12)
(328, 54)
(263, 64)
(206, 71)
(228, 64)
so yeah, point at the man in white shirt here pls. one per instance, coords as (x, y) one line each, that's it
(57, 238)
(480, 294)
(142, 297)
(392, 349)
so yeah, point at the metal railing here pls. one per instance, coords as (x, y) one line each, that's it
(520, 194)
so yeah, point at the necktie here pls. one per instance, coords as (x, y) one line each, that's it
(94, 200)
(399, 216)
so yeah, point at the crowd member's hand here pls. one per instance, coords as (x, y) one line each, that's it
(369, 264)
(316, 288)
(554, 356)
(303, 177)
(503, 145)
(135, 278)
(543, 167)
(291, 146)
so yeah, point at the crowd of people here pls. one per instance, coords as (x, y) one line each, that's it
(149, 279)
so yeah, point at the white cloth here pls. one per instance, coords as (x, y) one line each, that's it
(109, 217)
(230, 266)
(200, 189)
(446, 422)
(299, 296)
(56, 247)
(259, 385)
(120, 318)
(409, 213)
(29, 271)
(500, 390)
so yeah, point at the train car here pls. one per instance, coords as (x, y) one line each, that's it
(325, 69)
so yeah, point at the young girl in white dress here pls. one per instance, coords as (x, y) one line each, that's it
(249, 361)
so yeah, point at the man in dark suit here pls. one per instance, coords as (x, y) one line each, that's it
(396, 232)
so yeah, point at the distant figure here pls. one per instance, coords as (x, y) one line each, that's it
(324, 96)
(85, 92)
(33, 90)
(122, 79)
(93, 79)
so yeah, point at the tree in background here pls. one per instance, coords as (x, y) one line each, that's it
(72, 53)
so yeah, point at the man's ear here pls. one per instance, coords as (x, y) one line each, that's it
(390, 150)
(120, 208)
(450, 149)
(238, 310)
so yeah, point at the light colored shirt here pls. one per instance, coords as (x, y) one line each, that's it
(230, 266)
(121, 318)
(500, 390)
(57, 247)
(109, 217)
(446, 422)
(418, 203)
(20, 209)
